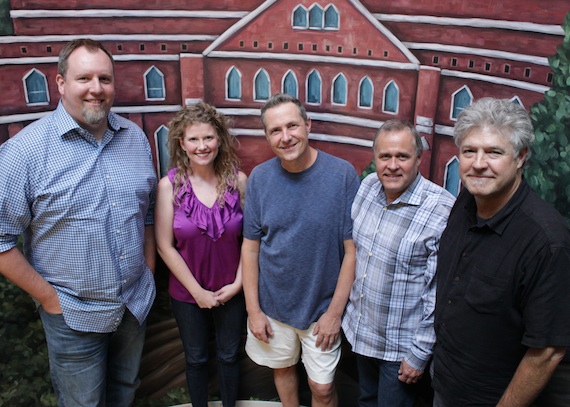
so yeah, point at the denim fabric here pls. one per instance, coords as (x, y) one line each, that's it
(194, 326)
(94, 369)
(379, 384)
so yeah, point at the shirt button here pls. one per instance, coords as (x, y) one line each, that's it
(449, 302)
(107, 176)
(370, 254)
(364, 276)
(361, 295)
(121, 257)
(114, 204)
(118, 231)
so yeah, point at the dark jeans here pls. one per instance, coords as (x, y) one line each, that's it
(193, 324)
(379, 384)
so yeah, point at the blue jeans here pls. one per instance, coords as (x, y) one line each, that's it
(379, 384)
(94, 369)
(194, 326)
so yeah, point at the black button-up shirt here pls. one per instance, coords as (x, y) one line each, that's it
(503, 286)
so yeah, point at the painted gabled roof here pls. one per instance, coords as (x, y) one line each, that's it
(359, 31)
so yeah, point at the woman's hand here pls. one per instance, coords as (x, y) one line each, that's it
(227, 292)
(206, 299)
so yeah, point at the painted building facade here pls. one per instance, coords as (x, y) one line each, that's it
(354, 64)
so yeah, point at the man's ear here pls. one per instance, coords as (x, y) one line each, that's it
(522, 157)
(60, 83)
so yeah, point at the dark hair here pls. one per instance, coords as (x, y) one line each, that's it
(91, 45)
(398, 125)
(226, 163)
(279, 99)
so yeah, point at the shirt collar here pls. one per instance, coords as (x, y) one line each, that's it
(499, 222)
(65, 123)
(411, 196)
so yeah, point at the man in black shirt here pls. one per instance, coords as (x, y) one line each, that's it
(502, 315)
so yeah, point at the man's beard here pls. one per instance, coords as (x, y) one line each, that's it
(94, 115)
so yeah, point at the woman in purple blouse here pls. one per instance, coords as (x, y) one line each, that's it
(198, 232)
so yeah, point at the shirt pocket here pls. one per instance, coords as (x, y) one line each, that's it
(485, 294)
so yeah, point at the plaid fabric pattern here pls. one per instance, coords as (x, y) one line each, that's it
(391, 308)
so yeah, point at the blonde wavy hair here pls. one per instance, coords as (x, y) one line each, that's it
(226, 163)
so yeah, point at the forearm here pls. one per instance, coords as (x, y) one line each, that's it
(345, 280)
(178, 267)
(250, 275)
(15, 267)
(531, 376)
(150, 247)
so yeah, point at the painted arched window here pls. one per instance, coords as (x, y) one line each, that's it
(316, 17)
(460, 100)
(314, 87)
(300, 17)
(154, 84)
(290, 84)
(163, 156)
(365, 93)
(261, 85)
(339, 90)
(331, 17)
(391, 98)
(233, 84)
(517, 100)
(36, 88)
(451, 181)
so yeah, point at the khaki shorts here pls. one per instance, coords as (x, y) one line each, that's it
(284, 349)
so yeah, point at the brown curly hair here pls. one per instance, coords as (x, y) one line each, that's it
(226, 163)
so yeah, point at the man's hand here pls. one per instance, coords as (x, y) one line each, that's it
(327, 330)
(51, 304)
(260, 327)
(408, 374)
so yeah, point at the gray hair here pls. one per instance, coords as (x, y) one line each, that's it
(279, 99)
(399, 125)
(501, 115)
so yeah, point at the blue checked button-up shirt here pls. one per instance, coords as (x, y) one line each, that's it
(82, 207)
(390, 313)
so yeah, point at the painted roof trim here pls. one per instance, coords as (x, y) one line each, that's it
(357, 4)
(238, 26)
(364, 11)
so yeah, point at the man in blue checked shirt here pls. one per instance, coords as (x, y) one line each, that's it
(398, 217)
(79, 184)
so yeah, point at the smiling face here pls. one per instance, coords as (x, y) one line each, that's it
(396, 162)
(288, 135)
(489, 168)
(201, 144)
(88, 90)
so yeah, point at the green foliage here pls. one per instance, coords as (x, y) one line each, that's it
(173, 397)
(6, 27)
(24, 376)
(549, 167)
(368, 170)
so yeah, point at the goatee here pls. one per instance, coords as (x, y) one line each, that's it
(94, 116)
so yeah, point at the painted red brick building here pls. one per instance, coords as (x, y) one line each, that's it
(354, 64)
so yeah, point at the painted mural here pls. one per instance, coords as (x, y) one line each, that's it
(353, 63)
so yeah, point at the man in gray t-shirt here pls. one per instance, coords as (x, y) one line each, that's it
(298, 257)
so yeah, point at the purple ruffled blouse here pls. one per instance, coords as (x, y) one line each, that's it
(208, 239)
